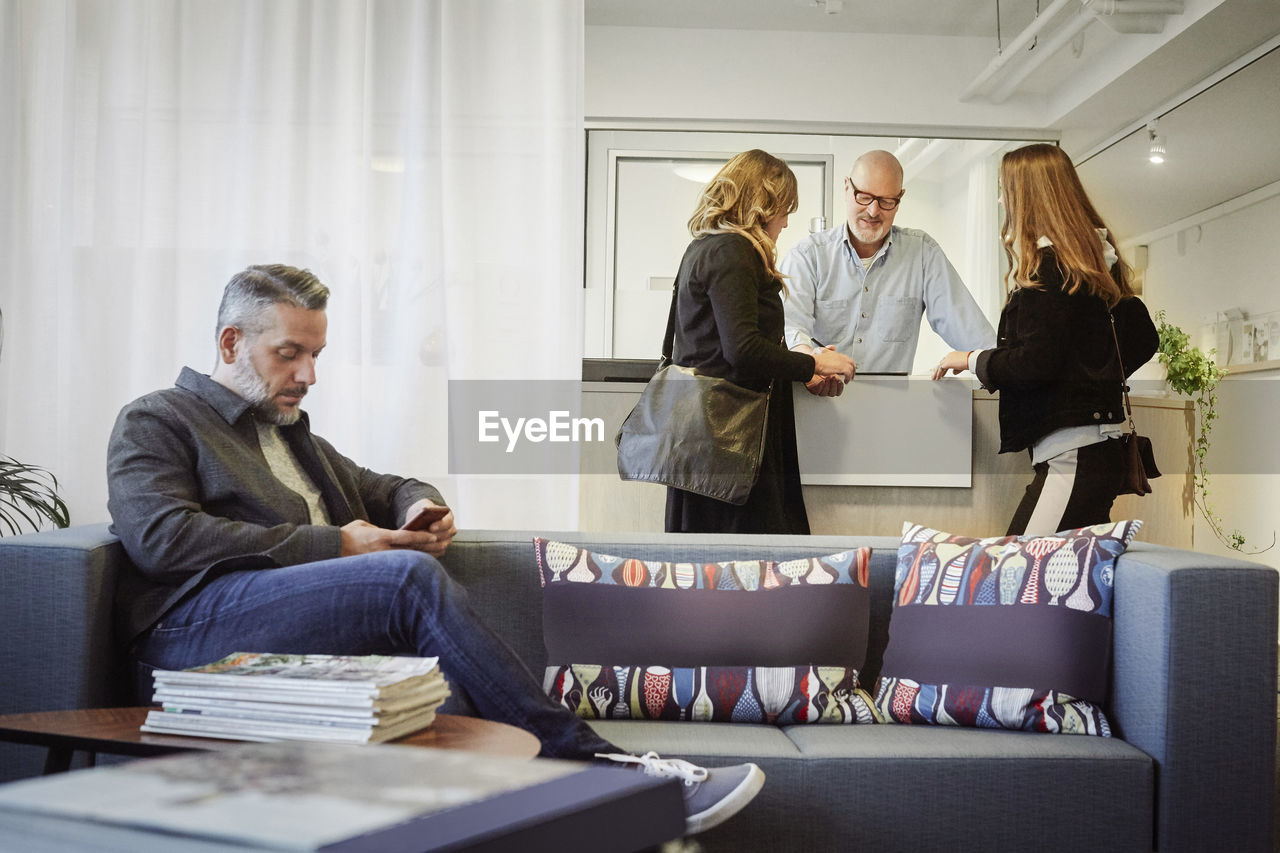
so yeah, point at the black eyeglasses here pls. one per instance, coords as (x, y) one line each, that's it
(865, 199)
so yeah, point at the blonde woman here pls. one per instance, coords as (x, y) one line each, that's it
(728, 323)
(1055, 362)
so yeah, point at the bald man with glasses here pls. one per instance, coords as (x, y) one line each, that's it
(861, 288)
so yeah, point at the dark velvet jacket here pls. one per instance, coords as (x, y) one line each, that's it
(191, 496)
(1055, 362)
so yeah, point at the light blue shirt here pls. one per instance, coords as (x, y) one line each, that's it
(872, 314)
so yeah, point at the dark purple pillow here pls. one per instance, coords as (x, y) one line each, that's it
(748, 641)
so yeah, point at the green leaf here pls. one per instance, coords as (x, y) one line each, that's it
(29, 497)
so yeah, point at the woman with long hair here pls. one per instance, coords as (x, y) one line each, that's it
(1070, 322)
(728, 324)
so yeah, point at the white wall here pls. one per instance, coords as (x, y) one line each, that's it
(1228, 261)
(651, 72)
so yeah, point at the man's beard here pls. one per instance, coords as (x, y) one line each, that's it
(254, 389)
(869, 233)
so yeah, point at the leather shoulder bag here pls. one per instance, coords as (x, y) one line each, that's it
(694, 432)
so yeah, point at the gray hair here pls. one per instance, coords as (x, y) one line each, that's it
(250, 293)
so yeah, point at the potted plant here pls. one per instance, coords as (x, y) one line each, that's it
(28, 495)
(1191, 371)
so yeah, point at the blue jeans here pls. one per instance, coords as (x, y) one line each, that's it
(388, 602)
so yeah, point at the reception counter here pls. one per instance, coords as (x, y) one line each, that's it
(978, 501)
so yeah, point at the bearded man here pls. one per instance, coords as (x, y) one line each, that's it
(248, 532)
(860, 288)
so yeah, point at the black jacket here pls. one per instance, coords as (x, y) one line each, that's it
(1055, 362)
(729, 316)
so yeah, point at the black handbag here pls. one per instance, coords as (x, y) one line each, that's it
(699, 433)
(1138, 459)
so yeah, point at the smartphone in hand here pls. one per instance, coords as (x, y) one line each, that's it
(425, 517)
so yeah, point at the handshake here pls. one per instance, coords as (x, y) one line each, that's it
(831, 371)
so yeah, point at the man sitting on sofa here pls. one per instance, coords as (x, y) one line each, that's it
(250, 533)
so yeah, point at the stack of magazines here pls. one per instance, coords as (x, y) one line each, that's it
(267, 697)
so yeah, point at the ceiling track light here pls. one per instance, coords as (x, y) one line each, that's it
(1155, 147)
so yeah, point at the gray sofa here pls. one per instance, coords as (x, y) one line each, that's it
(1193, 705)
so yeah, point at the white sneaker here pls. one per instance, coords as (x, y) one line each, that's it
(711, 796)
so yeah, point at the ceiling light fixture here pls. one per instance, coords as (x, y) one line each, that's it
(1155, 148)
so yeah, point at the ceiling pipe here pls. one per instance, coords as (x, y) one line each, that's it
(1136, 7)
(1023, 39)
(1060, 39)
(917, 164)
(1120, 15)
(907, 148)
(1136, 16)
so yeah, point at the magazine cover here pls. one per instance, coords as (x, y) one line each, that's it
(272, 796)
(257, 729)
(374, 675)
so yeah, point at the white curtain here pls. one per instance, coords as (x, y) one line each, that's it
(982, 235)
(422, 157)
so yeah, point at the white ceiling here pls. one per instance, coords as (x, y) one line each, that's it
(1222, 142)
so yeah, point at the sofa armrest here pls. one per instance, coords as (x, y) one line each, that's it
(58, 646)
(1194, 686)
(56, 620)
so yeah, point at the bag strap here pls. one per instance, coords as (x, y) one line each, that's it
(1124, 377)
(668, 340)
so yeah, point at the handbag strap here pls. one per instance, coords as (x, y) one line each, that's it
(668, 340)
(1124, 377)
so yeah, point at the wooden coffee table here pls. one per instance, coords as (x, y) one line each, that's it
(117, 731)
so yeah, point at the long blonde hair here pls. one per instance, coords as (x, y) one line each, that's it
(751, 189)
(1043, 197)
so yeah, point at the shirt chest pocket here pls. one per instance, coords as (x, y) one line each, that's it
(897, 317)
(833, 320)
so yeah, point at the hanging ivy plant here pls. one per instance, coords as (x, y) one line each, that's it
(1192, 372)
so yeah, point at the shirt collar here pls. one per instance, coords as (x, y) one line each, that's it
(884, 247)
(229, 405)
(1109, 256)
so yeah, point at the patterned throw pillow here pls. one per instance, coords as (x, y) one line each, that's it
(752, 641)
(1011, 632)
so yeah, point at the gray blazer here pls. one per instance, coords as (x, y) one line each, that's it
(192, 497)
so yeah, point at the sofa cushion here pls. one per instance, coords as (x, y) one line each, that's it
(919, 788)
(748, 641)
(1011, 632)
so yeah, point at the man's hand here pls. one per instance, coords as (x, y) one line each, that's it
(825, 386)
(833, 365)
(361, 537)
(443, 530)
(954, 361)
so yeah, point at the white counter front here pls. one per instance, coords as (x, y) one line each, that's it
(981, 507)
(886, 431)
